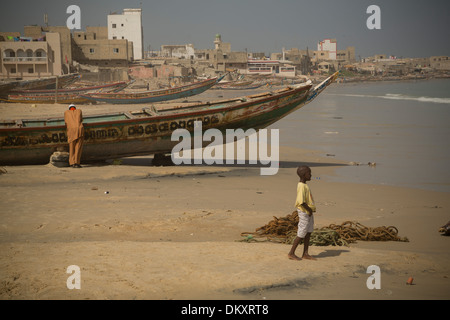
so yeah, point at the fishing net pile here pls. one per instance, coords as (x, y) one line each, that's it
(284, 230)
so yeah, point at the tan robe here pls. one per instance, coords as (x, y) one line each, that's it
(75, 134)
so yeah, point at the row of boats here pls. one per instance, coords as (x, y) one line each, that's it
(109, 93)
(148, 130)
(114, 92)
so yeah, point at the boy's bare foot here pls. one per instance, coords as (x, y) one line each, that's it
(293, 257)
(308, 257)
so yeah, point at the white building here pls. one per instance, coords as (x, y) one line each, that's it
(274, 67)
(128, 26)
(183, 51)
(329, 45)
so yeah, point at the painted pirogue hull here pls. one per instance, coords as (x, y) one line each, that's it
(239, 87)
(63, 95)
(62, 98)
(153, 96)
(109, 86)
(146, 132)
(42, 83)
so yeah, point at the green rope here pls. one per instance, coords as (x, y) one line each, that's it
(319, 237)
(284, 230)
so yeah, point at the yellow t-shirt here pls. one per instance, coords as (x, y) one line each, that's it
(304, 196)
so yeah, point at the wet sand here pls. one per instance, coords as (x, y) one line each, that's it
(143, 232)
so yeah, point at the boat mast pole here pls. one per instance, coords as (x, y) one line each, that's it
(56, 90)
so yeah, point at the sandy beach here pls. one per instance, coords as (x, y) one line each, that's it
(142, 232)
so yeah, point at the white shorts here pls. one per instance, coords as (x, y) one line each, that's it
(305, 223)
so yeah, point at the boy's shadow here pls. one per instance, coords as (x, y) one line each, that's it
(330, 253)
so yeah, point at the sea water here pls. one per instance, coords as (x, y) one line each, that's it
(402, 127)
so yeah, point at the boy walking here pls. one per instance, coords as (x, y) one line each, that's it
(305, 206)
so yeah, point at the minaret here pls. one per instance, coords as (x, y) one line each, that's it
(217, 42)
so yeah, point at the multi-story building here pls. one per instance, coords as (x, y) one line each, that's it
(278, 68)
(128, 26)
(300, 59)
(441, 63)
(65, 37)
(347, 55)
(327, 50)
(92, 47)
(23, 58)
(329, 45)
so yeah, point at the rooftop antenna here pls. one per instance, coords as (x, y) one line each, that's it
(46, 19)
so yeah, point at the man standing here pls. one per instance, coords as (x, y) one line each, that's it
(75, 134)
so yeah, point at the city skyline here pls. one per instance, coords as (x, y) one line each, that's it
(408, 28)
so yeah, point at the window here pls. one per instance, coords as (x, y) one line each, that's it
(114, 38)
(121, 25)
(116, 50)
(38, 54)
(30, 70)
(13, 70)
(91, 50)
(114, 25)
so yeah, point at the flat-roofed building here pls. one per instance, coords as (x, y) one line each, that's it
(329, 45)
(128, 26)
(183, 51)
(28, 59)
(92, 47)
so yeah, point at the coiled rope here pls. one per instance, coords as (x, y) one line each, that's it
(284, 230)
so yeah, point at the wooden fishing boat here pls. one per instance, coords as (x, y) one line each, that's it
(235, 83)
(148, 131)
(155, 95)
(115, 86)
(62, 95)
(41, 83)
(248, 86)
(321, 86)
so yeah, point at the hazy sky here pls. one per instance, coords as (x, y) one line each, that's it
(409, 28)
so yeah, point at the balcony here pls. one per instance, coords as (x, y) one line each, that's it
(24, 60)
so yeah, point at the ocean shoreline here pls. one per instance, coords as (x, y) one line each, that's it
(375, 79)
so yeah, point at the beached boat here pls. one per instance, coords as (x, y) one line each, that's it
(321, 86)
(155, 95)
(62, 95)
(42, 83)
(115, 86)
(235, 83)
(249, 86)
(148, 131)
